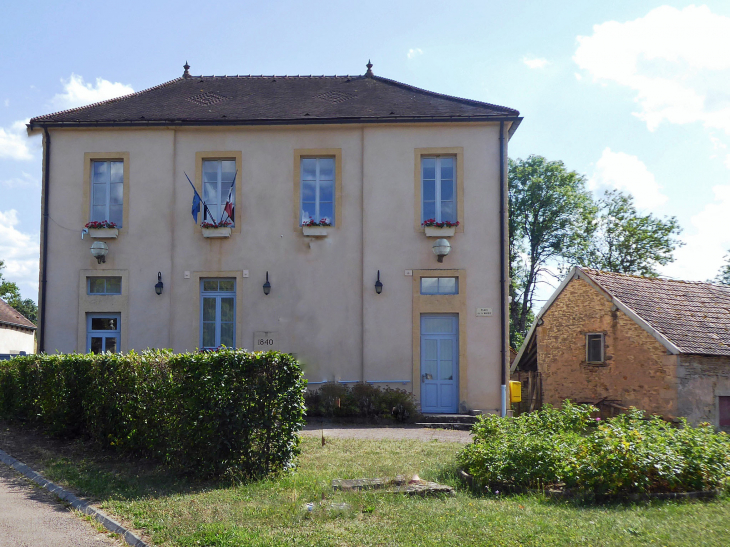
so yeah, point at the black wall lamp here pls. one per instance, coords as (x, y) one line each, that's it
(378, 284)
(158, 285)
(267, 285)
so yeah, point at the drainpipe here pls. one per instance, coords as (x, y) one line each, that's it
(44, 239)
(502, 250)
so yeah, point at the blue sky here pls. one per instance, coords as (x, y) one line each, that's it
(633, 94)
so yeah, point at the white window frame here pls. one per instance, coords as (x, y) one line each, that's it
(437, 188)
(438, 286)
(106, 292)
(317, 215)
(603, 347)
(108, 190)
(217, 295)
(116, 333)
(221, 198)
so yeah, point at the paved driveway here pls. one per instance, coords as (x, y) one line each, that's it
(32, 517)
(410, 432)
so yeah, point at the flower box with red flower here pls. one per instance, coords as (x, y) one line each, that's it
(439, 229)
(216, 230)
(312, 228)
(102, 229)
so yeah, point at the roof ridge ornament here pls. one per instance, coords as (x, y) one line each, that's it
(186, 74)
(369, 72)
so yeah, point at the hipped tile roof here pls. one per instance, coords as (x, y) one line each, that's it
(278, 99)
(9, 315)
(694, 316)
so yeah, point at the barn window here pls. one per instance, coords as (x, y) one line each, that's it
(594, 348)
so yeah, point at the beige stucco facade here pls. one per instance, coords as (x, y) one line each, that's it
(322, 306)
(14, 340)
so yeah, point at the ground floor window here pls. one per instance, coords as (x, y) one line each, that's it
(102, 332)
(217, 313)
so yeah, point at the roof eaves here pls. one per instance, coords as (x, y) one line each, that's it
(19, 325)
(508, 111)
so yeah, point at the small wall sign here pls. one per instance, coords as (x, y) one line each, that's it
(265, 341)
(484, 312)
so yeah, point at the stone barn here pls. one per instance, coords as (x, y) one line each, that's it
(621, 340)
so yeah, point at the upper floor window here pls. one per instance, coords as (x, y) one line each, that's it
(317, 177)
(104, 285)
(107, 192)
(439, 285)
(218, 190)
(595, 348)
(438, 189)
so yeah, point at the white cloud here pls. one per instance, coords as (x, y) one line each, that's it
(414, 52)
(78, 93)
(535, 62)
(26, 180)
(20, 252)
(6, 102)
(707, 240)
(676, 61)
(14, 142)
(620, 171)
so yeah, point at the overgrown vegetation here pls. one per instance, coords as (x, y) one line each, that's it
(208, 414)
(622, 455)
(365, 401)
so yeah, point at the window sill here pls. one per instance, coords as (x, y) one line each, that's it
(435, 231)
(217, 232)
(104, 233)
(316, 231)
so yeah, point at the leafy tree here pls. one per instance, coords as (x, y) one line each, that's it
(11, 294)
(625, 241)
(551, 219)
(723, 276)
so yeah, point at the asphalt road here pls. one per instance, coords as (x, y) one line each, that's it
(33, 517)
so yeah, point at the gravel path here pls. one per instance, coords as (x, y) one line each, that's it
(409, 432)
(32, 517)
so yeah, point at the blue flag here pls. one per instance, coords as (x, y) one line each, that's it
(196, 206)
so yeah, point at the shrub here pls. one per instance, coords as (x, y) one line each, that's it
(201, 413)
(625, 454)
(362, 400)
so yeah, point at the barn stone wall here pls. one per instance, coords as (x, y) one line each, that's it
(702, 379)
(637, 371)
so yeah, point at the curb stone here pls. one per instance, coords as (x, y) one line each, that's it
(72, 500)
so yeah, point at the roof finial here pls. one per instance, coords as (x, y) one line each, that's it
(370, 68)
(186, 74)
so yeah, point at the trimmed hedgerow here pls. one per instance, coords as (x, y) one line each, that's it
(627, 454)
(362, 401)
(207, 414)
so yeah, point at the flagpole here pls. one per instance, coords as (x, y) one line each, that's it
(234, 198)
(196, 193)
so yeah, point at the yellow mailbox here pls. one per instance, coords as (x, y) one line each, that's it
(515, 391)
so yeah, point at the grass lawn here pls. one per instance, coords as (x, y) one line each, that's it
(172, 511)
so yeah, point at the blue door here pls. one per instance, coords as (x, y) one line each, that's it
(440, 363)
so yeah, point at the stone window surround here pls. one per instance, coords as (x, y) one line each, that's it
(235, 155)
(458, 153)
(103, 303)
(300, 153)
(89, 158)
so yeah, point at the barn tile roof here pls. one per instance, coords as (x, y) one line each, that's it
(278, 99)
(9, 316)
(694, 316)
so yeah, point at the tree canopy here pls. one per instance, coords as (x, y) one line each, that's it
(625, 241)
(723, 276)
(551, 218)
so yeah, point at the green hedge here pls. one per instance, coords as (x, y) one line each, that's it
(205, 414)
(363, 401)
(628, 454)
